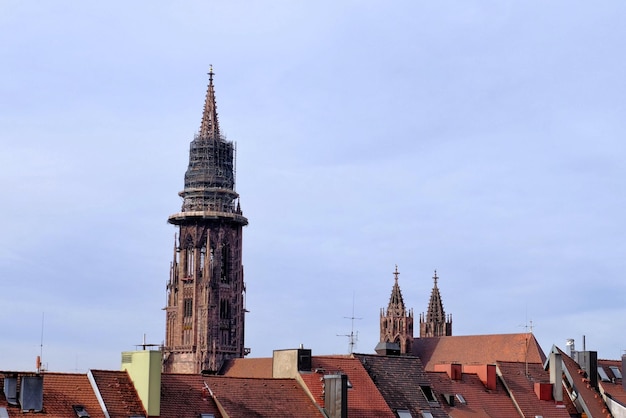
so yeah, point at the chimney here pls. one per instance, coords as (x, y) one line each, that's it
(588, 361)
(571, 350)
(336, 395)
(454, 370)
(289, 363)
(544, 391)
(556, 375)
(623, 371)
(144, 369)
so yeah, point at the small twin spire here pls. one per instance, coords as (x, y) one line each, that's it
(396, 302)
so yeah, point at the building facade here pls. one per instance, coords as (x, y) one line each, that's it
(205, 310)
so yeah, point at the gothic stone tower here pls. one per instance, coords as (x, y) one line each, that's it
(435, 323)
(205, 293)
(396, 324)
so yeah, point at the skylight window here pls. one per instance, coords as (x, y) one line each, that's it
(427, 414)
(207, 415)
(403, 413)
(616, 372)
(429, 395)
(80, 411)
(461, 399)
(4, 413)
(603, 375)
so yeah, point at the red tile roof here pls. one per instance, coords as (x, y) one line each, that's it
(480, 402)
(60, 392)
(478, 349)
(364, 399)
(185, 396)
(118, 393)
(248, 367)
(520, 378)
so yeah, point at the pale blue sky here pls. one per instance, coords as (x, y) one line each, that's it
(483, 139)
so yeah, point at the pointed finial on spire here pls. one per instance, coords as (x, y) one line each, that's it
(435, 277)
(396, 273)
(209, 126)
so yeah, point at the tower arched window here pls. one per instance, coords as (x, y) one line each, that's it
(190, 261)
(202, 260)
(225, 272)
(224, 309)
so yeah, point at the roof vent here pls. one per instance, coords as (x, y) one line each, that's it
(387, 349)
(80, 410)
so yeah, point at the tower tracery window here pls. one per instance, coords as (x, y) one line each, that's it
(225, 273)
(188, 308)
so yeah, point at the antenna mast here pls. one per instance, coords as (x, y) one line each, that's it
(40, 356)
(352, 337)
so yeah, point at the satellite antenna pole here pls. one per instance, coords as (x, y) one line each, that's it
(40, 357)
(528, 327)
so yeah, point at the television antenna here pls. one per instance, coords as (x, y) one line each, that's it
(353, 337)
(144, 345)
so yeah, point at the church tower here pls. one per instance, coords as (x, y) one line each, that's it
(435, 323)
(205, 293)
(396, 324)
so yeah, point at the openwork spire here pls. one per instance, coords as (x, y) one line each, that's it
(396, 324)
(209, 127)
(435, 323)
(435, 311)
(396, 302)
(210, 176)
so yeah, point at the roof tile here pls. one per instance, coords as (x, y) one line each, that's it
(478, 349)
